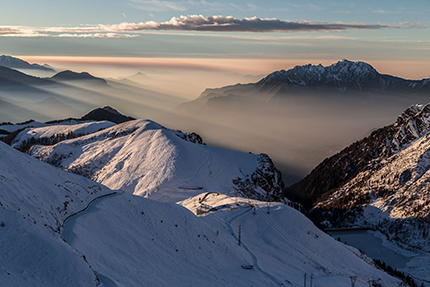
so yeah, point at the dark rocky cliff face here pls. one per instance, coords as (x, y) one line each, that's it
(190, 137)
(265, 183)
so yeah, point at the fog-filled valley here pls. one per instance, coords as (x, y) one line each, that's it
(297, 124)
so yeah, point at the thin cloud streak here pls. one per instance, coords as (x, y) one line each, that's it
(97, 35)
(156, 5)
(231, 24)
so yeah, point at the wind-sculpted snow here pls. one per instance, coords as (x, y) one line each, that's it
(144, 158)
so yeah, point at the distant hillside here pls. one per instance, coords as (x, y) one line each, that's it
(74, 76)
(106, 114)
(11, 77)
(100, 114)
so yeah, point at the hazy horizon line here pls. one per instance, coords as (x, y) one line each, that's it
(407, 69)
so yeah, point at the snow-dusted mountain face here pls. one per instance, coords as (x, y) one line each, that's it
(60, 229)
(380, 181)
(344, 75)
(144, 158)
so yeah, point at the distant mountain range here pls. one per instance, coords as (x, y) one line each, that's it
(76, 91)
(342, 77)
(11, 77)
(16, 63)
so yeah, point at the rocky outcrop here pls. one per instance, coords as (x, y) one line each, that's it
(190, 137)
(265, 183)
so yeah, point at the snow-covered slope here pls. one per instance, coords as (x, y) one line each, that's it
(126, 240)
(144, 158)
(35, 199)
(166, 245)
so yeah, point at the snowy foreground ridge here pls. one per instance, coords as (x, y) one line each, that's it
(119, 239)
(144, 158)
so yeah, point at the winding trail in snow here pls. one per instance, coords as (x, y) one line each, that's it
(69, 236)
(88, 205)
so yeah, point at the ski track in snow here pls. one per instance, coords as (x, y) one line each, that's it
(254, 258)
(208, 158)
(69, 236)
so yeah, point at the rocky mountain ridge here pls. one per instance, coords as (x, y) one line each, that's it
(379, 182)
(343, 76)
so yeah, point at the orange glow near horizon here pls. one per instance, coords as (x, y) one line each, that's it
(414, 70)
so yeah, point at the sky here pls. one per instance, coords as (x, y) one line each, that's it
(249, 37)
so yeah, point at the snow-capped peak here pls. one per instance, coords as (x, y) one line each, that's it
(343, 75)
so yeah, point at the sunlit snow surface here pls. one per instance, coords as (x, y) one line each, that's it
(143, 158)
(165, 244)
(129, 240)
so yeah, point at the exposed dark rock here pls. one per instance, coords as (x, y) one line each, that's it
(265, 182)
